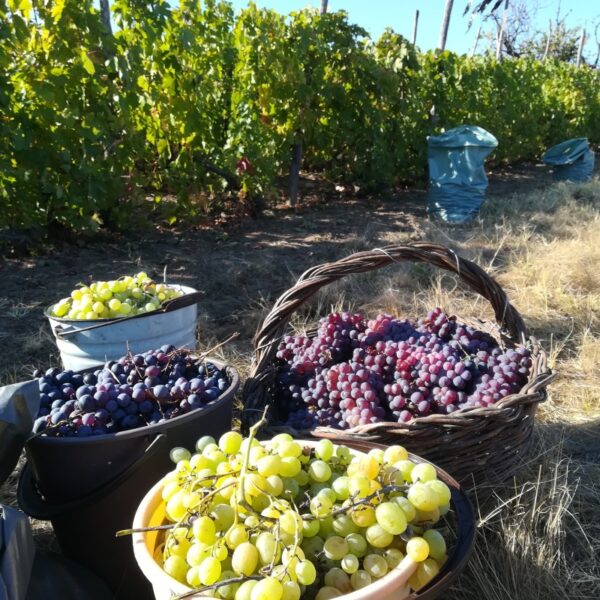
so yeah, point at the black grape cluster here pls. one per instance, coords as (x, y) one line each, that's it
(134, 391)
(356, 372)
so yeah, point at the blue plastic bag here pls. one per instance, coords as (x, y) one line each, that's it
(457, 179)
(572, 160)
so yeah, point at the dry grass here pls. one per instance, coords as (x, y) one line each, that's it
(535, 543)
(540, 536)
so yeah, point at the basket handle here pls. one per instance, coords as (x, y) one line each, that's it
(311, 281)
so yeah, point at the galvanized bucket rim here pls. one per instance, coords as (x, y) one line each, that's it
(184, 288)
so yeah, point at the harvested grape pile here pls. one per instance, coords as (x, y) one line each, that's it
(281, 521)
(356, 371)
(134, 391)
(126, 296)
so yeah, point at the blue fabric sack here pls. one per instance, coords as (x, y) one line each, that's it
(457, 179)
(572, 160)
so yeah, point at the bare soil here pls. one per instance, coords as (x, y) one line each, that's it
(240, 267)
(542, 538)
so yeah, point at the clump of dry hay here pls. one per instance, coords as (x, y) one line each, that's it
(540, 536)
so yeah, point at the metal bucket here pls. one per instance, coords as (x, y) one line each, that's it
(85, 344)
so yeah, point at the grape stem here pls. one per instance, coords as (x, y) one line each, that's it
(204, 354)
(296, 541)
(366, 500)
(124, 532)
(114, 376)
(240, 496)
(219, 584)
(50, 427)
(167, 526)
(277, 540)
(217, 491)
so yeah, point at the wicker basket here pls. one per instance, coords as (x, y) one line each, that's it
(478, 446)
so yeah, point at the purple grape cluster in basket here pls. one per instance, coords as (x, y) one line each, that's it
(134, 391)
(356, 371)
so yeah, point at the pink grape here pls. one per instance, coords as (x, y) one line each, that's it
(356, 371)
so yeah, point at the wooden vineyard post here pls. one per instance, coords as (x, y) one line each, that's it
(475, 44)
(415, 27)
(501, 32)
(295, 171)
(445, 25)
(581, 45)
(548, 37)
(105, 15)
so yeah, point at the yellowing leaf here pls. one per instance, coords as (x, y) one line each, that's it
(26, 8)
(169, 83)
(162, 146)
(22, 6)
(88, 65)
(57, 10)
(142, 82)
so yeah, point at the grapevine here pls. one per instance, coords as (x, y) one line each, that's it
(192, 101)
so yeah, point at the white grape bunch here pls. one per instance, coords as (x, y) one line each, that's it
(127, 296)
(282, 521)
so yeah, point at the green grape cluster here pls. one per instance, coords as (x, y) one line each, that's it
(129, 295)
(281, 521)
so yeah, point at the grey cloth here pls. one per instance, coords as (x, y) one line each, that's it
(30, 574)
(19, 405)
(17, 553)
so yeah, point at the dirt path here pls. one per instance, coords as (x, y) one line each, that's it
(241, 269)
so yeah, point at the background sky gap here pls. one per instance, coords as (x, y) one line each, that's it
(376, 15)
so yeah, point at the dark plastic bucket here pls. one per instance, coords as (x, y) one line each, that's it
(85, 528)
(67, 469)
(54, 576)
